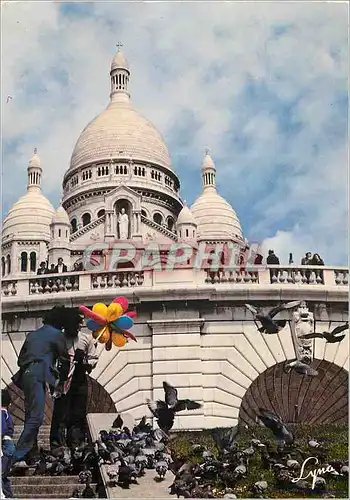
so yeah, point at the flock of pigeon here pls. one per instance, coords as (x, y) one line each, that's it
(126, 455)
(269, 325)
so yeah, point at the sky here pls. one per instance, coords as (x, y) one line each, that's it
(262, 85)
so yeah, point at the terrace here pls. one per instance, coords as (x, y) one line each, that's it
(275, 282)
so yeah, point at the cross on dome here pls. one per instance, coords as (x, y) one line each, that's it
(35, 151)
(119, 45)
(207, 151)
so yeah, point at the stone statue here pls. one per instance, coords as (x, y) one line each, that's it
(303, 323)
(123, 222)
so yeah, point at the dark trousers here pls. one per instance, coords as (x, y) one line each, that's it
(34, 405)
(68, 425)
(6, 484)
(8, 449)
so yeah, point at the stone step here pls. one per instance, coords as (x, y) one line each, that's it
(44, 442)
(62, 490)
(43, 480)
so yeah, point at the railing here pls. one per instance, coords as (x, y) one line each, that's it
(85, 281)
(117, 279)
(159, 228)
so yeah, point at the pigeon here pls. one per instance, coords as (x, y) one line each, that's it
(164, 411)
(174, 403)
(268, 324)
(301, 368)
(162, 468)
(8, 99)
(331, 337)
(276, 425)
(118, 423)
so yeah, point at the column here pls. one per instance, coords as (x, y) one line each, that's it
(176, 359)
(109, 229)
(136, 217)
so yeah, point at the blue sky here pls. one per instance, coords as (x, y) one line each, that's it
(262, 85)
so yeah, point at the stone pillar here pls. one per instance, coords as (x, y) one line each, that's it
(136, 225)
(109, 226)
(176, 359)
(302, 324)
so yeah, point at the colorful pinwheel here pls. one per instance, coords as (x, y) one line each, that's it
(110, 324)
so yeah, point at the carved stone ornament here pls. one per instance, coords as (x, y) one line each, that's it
(302, 324)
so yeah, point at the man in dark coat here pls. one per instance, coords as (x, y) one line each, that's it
(68, 425)
(37, 361)
(272, 258)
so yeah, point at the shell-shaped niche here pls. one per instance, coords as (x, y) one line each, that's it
(299, 398)
(98, 401)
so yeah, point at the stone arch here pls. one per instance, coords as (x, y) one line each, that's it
(99, 401)
(122, 193)
(298, 398)
(86, 218)
(74, 225)
(158, 217)
(123, 203)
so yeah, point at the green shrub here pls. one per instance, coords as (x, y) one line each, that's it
(334, 439)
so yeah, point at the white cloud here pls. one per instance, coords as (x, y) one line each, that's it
(198, 58)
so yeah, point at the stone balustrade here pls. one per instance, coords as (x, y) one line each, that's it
(73, 282)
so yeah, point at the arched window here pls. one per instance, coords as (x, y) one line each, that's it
(74, 225)
(3, 266)
(8, 259)
(32, 259)
(170, 222)
(24, 262)
(158, 219)
(187, 233)
(59, 233)
(100, 213)
(86, 219)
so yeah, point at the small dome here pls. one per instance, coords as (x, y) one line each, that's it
(119, 61)
(185, 217)
(216, 219)
(60, 216)
(30, 217)
(208, 162)
(34, 162)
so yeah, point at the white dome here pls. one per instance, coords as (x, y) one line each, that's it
(216, 219)
(120, 131)
(60, 216)
(29, 217)
(185, 217)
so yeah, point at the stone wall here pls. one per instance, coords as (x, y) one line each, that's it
(211, 352)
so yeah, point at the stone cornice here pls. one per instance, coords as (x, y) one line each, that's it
(238, 294)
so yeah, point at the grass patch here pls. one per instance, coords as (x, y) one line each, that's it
(334, 439)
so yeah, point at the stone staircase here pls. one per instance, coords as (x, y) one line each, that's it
(26, 485)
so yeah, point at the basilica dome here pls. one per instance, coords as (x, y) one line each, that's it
(216, 219)
(120, 131)
(31, 215)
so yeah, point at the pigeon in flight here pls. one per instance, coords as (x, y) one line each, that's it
(9, 98)
(165, 411)
(276, 425)
(301, 368)
(268, 324)
(331, 337)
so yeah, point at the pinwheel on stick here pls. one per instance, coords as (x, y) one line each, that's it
(110, 325)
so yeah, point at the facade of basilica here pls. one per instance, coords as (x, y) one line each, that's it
(192, 327)
(120, 185)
